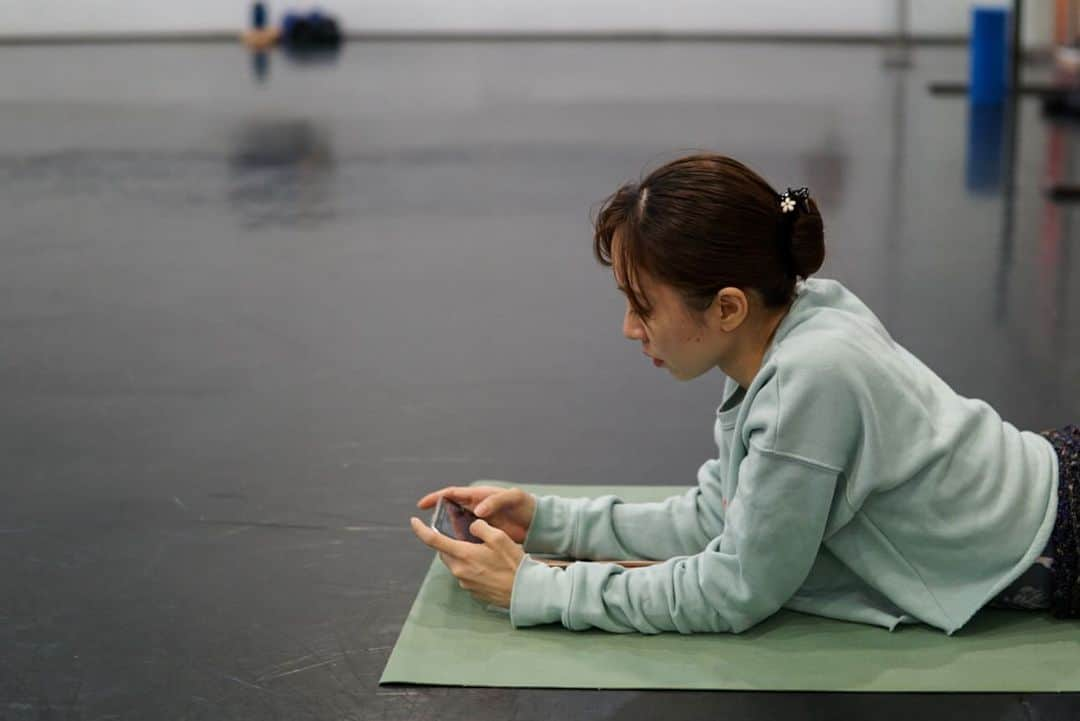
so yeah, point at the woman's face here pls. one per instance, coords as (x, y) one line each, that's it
(686, 346)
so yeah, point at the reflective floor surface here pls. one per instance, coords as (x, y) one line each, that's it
(251, 309)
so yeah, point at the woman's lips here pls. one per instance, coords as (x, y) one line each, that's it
(656, 361)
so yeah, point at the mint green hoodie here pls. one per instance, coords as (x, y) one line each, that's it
(851, 482)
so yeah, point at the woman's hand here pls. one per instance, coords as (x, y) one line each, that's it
(486, 570)
(510, 510)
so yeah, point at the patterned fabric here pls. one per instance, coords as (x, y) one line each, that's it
(1052, 582)
(1065, 538)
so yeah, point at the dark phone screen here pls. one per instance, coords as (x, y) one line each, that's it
(454, 520)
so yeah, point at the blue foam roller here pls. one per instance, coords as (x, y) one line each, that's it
(989, 54)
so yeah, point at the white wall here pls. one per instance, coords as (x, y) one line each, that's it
(22, 18)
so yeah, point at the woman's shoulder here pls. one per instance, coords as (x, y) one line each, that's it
(829, 323)
(814, 393)
(839, 349)
(845, 358)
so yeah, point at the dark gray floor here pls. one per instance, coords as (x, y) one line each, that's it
(246, 324)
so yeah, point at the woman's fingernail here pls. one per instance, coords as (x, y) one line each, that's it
(479, 510)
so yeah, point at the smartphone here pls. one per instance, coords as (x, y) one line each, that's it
(453, 520)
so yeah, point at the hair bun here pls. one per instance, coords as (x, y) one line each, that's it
(808, 241)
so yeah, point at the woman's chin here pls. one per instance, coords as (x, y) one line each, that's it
(680, 376)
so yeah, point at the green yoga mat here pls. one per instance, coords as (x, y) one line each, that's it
(451, 639)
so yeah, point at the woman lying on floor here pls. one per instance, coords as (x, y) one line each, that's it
(851, 481)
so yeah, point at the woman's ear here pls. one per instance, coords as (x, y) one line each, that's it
(731, 307)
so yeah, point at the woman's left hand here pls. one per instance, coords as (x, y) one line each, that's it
(486, 570)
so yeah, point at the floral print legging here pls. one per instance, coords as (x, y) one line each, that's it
(1053, 582)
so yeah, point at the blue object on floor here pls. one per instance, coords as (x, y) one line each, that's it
(288, 22)
(258, 15)
(989, 46)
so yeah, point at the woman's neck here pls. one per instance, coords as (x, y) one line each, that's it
(746, 362)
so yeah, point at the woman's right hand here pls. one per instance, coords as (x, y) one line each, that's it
(509, 509)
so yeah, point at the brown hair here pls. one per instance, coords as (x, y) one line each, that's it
(707, 222)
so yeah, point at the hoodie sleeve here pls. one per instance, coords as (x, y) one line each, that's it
(609, 528)
(773, 528)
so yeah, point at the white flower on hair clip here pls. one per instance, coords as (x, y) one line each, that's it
(789, 197)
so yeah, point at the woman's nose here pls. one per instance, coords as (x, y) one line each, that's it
(631, 327)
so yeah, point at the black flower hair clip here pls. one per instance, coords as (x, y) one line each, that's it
(795, 198)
